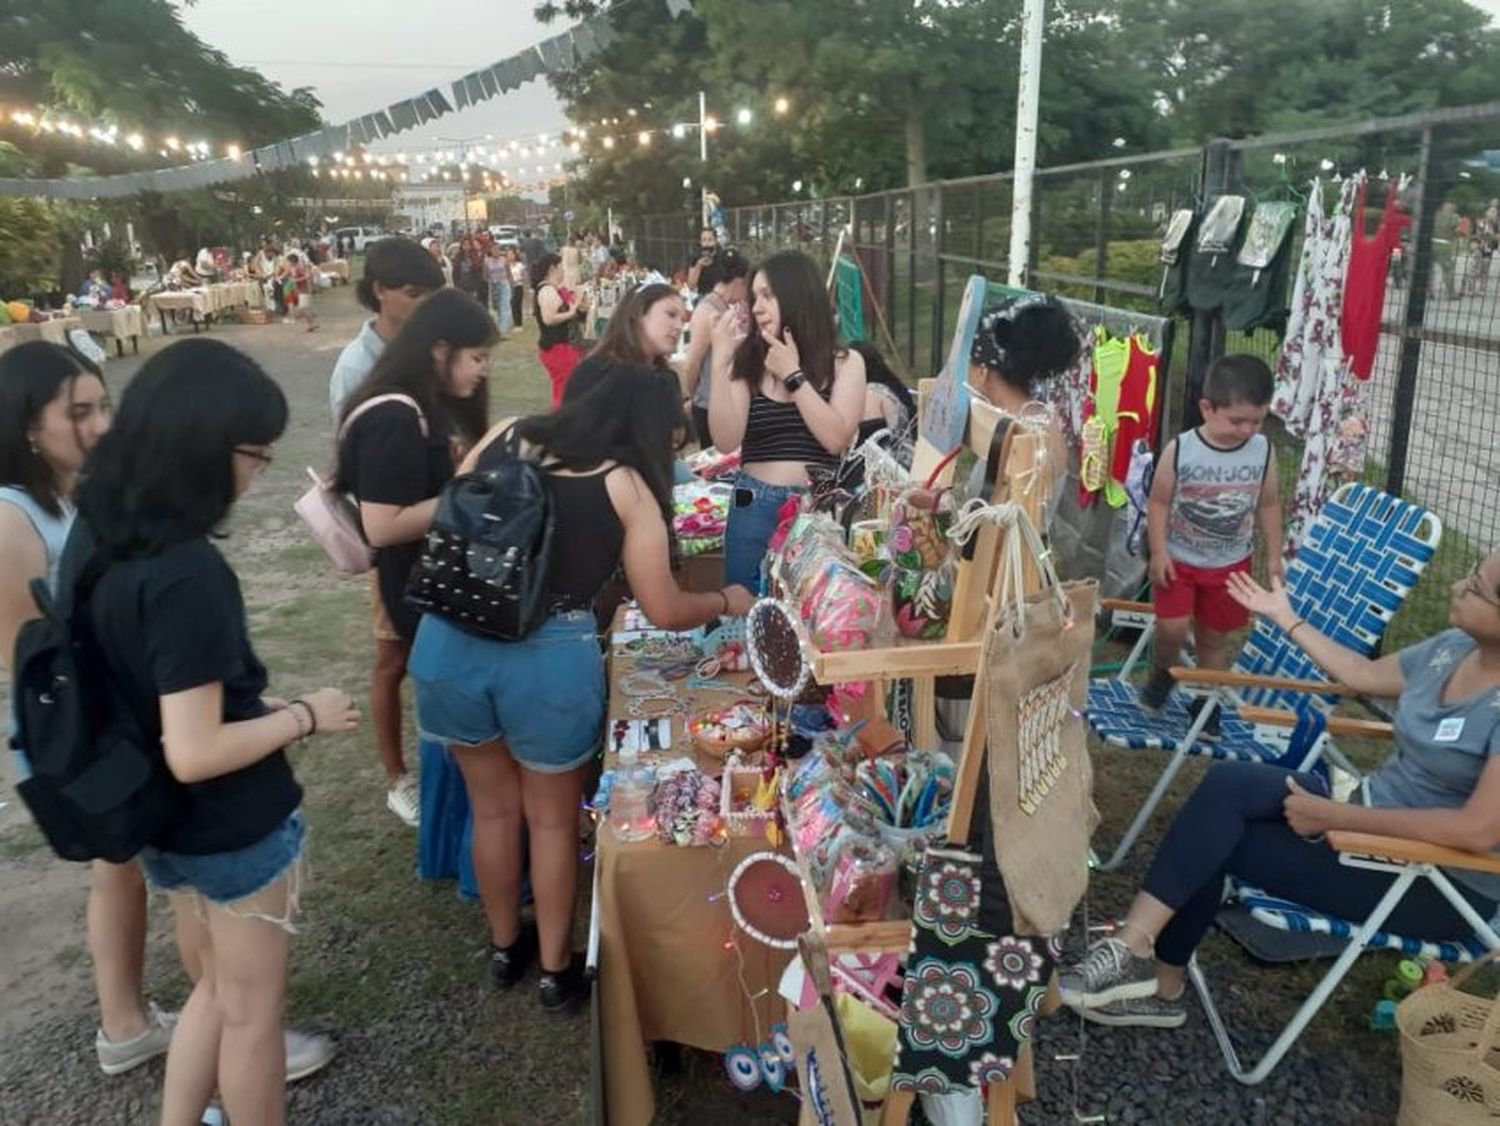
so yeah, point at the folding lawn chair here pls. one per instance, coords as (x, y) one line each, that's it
(1361, 559)
(1408, 861)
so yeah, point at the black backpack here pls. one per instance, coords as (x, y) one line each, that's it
(98, 789)
(485, 563)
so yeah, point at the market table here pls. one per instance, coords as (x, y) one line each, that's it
(195, 301)
(233, 295)
(664, 971)
(122, 323)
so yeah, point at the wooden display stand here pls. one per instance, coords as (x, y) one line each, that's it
(962, 652)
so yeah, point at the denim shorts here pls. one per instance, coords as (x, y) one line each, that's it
(754, 514)
(544, 697)
(227, 877)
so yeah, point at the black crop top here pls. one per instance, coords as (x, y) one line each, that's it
(549, 336)
(587, 538)
(776, 431)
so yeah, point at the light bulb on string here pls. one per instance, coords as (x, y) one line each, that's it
(644, 137)
(609, 142)
(679, 131)
(782, 105)
(136, 141)
(711, 124)
(744, 116)
(233, 151)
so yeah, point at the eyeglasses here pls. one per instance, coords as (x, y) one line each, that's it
(261, 456)
(1473, 585)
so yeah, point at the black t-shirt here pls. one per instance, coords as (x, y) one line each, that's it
(174, 621)
(386, 460)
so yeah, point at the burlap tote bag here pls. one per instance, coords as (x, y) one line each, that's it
(1041, 779)
(1450, 1054)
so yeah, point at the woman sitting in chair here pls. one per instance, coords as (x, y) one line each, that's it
(1265, 825)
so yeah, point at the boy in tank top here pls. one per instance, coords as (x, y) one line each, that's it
(1213, 485)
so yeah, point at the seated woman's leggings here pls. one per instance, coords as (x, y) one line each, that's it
(1234, 825)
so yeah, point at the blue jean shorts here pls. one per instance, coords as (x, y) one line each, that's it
(543, 697)
(227, 877)
(754, 513)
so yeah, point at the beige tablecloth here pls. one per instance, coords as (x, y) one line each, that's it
(121, 323)
(234, 295)
(55, 330)
(664, 971)
(195, 301)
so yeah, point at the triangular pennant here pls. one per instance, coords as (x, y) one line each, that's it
(460, 94)
(356, 134)
(585, 41)
(475, 88)
(565, 50)
(675, 8)
(487, 81)
(382, 123)
(528, 65)
(551, 54)
(403, 116)
(372, 131)
(424, 109)
(335, 139)
(604, 30)
(438, 103)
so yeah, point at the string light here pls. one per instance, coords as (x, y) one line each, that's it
(783, 104)
(645, 137)
(744, 117)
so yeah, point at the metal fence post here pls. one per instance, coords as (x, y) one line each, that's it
(1405, 396)
(1207, 342)
(1101, 233)
(939, 247)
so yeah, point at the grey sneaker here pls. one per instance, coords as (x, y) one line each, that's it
(1139, 1012)
(1155, 691)
(1109, 972)
(306, 1054)
(119, 1056)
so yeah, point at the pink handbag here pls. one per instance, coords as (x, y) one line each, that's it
(333, 517)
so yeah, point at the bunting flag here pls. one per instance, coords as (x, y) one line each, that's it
(555, 55)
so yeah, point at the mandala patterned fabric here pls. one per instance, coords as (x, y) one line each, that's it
(970, 999)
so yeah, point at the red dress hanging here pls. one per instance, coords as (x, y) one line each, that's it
(1364, 284)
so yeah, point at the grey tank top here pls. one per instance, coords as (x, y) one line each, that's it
(1212, 522)
(706, 369)
(52, 529)
(54, 532)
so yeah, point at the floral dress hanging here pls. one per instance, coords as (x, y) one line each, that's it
(1316, 395)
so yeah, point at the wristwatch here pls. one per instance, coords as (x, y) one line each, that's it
(794, 381)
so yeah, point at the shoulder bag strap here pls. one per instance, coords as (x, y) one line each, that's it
(393, 397)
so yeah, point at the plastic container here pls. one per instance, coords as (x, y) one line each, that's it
(630, 813)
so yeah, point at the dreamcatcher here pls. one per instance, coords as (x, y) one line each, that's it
(766, 901)
(774, 646)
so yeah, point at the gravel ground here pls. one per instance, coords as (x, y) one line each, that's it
(393, 969)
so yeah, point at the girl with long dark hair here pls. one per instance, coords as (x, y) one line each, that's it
(193, 432)
(643, 332)
(524, 719)
(395, 457)
(785, 395)
(54, 407)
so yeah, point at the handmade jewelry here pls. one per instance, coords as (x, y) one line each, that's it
(655, 706)
(644, 682)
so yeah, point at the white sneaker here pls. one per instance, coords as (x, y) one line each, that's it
(306, 1054)
(404, 799)
(119, 1056)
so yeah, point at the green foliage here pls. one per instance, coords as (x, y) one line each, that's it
(28, 246)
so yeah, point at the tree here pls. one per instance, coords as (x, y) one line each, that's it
(1234, 68)
(131, 62)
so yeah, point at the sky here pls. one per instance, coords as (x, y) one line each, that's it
(359, 56)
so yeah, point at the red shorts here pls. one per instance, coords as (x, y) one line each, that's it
(1202, 593)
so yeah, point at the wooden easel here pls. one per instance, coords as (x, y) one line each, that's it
(976, 599)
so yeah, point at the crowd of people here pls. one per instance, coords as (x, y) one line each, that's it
(764, 373)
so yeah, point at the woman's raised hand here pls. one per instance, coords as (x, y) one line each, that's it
(1272, 604)
(782, 358)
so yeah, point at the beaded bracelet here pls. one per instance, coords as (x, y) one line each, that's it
(658, 706)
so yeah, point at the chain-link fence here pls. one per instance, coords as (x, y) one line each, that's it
(1432, 403)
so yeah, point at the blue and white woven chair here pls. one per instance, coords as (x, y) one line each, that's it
(1361, 559)
(1408, 861)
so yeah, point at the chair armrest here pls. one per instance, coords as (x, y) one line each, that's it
(1337, 724)
(1124, 605)
(1413, 852)
(1226, 679)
